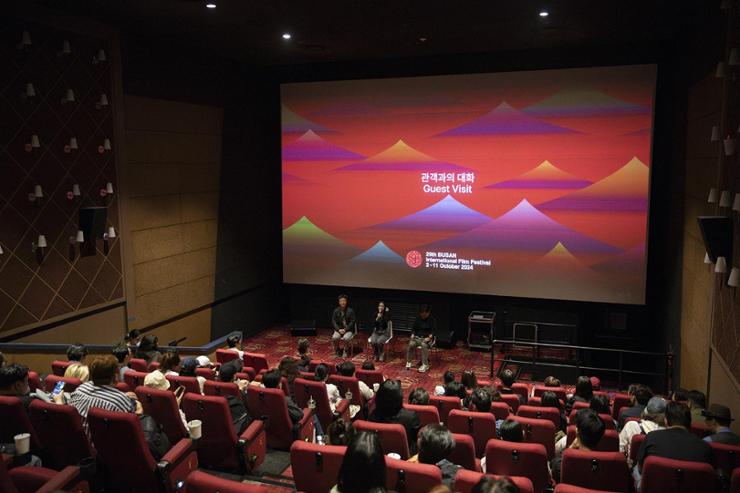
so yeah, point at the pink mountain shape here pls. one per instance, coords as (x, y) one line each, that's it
(505, 120)
(312, 147)
(292, 123)
(402, 157)
(546, 175)
(624, 190)
(583, 103)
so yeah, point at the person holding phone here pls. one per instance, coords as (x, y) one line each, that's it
(157, 380)
(381, 332)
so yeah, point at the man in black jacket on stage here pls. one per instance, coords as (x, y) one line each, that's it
(422, 334)
(345, 325)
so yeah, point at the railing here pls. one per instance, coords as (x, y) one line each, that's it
(666, 374)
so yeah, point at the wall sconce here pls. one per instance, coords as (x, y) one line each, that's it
(106, 145)
(29, 92)
(72, 146)
(100, 57)
(69, 97)
(721, 70)
(730, 145)
(111, 234)
(724, 199)
(734, 280)
(66, 48)
(34, 144)
(713, 195)
(734, 57)
(736, 203)
(74, 193)
(102, 102)
(109, 188)
(80, 238)
(715, 134)
(25, 41)
(721, 266)
(707, 260)
(38, 247)
(36, 195)
(1, 250)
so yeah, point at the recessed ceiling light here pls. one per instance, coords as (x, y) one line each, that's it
(210, 5)
(287, 36)
(544, 13)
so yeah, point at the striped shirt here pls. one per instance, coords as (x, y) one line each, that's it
(89, 395)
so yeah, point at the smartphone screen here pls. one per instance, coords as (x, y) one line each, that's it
(58, 388)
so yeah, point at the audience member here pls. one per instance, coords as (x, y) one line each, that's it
(347, 369)
(697, 404)
(389, 409)
(14, 382)
(595, 383)
(304, 359)
(589, 430)
(288, 367)
(339, 432)
(508, 378)
(240, 418)
(512, 431)
(550, 399)
(148, 349)
(551, 381)
(419, 396)
(480, 399)
(488, 484)
(718, 419)
(435, 444)
(77, 370)
(157, 380)
(448, 377)
(639, 399)
(680, 395)
(653, 418)
(232, 343)
(584, 392)
(187, 369)
(133, 339)
(600, 404)
(363, 466)
(76, 352)
(368, 365)
(2, 359)
(271, 380)
(169, 364)
(456, 389)
(321, 374)
(122, 355)
(469, 380)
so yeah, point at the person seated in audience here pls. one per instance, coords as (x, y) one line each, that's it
(488, 484)
(589, 430)
(133, 339)
(339, 432)
(440, 488)
(240, 418)
(508, 378)
(639, 399)
(435, 444)
(600, 404)
(381, 333)
(507, 430)
(480, 400)
(2, 359)
(100, 392)
(680, 395)
(456, 389)
(271, 380)
(676, 441)
(14, 382)
(288, 367)
(363, 466)
(448, 377)
(389, 409)
(76, 352)
(595, 383)
(368, 365)
(321, 374)
(122, 355)
(187, 369)
(347, 369)
(551, 381)
(304, 359)
(697, 403)
(157, 380)
(469, 380)
(584, 392)
(422, 335)
(148, 349)
(77, 370)
(550, 399)
(170, 363)
(232, 343)
(419, 396)
(718, 419)
(653, 418)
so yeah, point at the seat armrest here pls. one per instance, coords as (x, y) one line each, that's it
(62, 480)
(177, 463)
(342, 409)
(252, 446)
(252, 431)
(307, 416)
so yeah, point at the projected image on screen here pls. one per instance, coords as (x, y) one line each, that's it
(530, 184)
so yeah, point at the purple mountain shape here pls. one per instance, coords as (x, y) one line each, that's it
(446, 215)
(524, 228)
(505, 120)
(583, 103)
(311, 147)
(293, 123)
(379, 253)
(544, 176)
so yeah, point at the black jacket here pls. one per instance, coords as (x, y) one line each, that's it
(408, 419)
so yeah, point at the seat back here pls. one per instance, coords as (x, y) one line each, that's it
(212, 387)
(258, 361)
(59, 428)
(410, 477)
(70, 384)
(206, 373)
(247, 373)
(138, 364)
(305, 389)
(512, 400)
(606, 418)
(620, 401)
(444, 405)
(162, 406)
(315, 467)
(521, 389)
(190, 383)
(217, 447)
(635, 444)
(580, 405)
(269, 405)
(518, 459)
(571, 488)
(538, 431)
(725, 457)
(34, 381)
(735, 481)
(119, 442)
(392, 436)
(551, 413)
(501, 410)
(347, 383)
(465, 481)
(201, 482)
(15, 421)
(427, 414)
(370, 377)
(482, 427)
(559, 391)
(597, 470)
(316, 362)
(226, 355)
(134, 378)
(700, 430)
(464, 452)
(58, 367)
(608, 443)
(661, 475)
(283, 383)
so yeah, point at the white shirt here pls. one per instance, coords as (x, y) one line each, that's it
(632, 428)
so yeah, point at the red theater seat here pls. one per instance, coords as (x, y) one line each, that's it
(606, 418)
(162, 406)
(465, 481)
(205, 372)
(190, 383)
(306, 389)
(569, 488)
(283, 383)
(444, 405)
(138, 364)
(370, 377)
(34, 382)
(212, 387)
(70, 384)
(28, 479)
(559, 391)
(539, 412)
(501, 410)
(635, 445)
(700, 430)
(512, 400)
(15, 421)
(521, 389)
(598, 470)
(660, 475)
(427, 414)
(519, 459)
(539, 431)
(481, 426)
(345, 384)
(200, 482)
(464, 452)
(392, 436)
(726, 457)
(58, 367)
(226, 355)
(270, 406)
(134, 378)
(315, 467)
(411, 477)
(258, 361)
(620, 401)
(59, 428)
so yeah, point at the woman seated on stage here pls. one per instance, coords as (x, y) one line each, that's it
(381, 333)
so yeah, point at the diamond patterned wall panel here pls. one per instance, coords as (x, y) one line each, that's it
(56, 133)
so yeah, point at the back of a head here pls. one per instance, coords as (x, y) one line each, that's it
(2, 359)
(389, 399)
(76, 352)
(303, 346)
(120, 351)
(346, 368)
(481, 399)
(133, 334)
(368, 365)
(148, 343)
(455, 389)
(271, 379)
(435, 443)
(680, 395)
(419, 396)
(232, 341)
(449, 376)
(321, 373)
(677, 414)
(11, 374)
(187, 367)
(488, 484)
(103, 369)
(550, 399)
(600, 404)
(512, 431)
(228, 371)
(697, 399)
(363, 467)
(551, 381)
(339, 432)
(469, 380)
(655, 410)
(79, 371)
(288, 368)
(507, 378)
(643, 394)
(584, 388)
(170, 360)
(590, 427)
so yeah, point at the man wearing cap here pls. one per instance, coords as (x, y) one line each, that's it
(718, 420)
(653, 418)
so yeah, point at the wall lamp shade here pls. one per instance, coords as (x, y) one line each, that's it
(721, 70)
(715, 133)
(734, 280)
(721, 266)
(707, 260)
(30, 90)
(734, 56)
(35, 142)
(736, 203)
(106, 144)
(101, 55)
(66, 48)
(73, 143)
(26, 38)
(111, 232)
(109, 188)
(41, 242)
(103, 100)
(70, 96)
(730, 146)
(38, 192)
(76, 190)
(1, 250)
(80, 236)
(713, 196)
(724, 199)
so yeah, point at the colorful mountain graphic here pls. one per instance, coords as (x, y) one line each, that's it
(524, 229)
(295, 180)
(505, 120)
(583, 103)
(311, 147)
(446, 215)
(293, 123)
(379, 253)
(305, 239)
(624, 190)
(544, 176)
(402, 157)
(559, 259)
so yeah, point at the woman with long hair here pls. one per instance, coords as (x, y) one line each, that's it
(381, 331)
(363, 466)
(389, 409)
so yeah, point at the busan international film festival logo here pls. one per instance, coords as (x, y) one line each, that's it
(413, 258)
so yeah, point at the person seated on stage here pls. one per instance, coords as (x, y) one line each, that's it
(508, 378)
(389, 409)
(347, 369)
(639, 398)
(304, 360)
(321, 374)
(271, 380)
(435, 444)
(589, 430)
(381, 333)
(719, 418)
(584, 392)
(697, 404)
(345, 325)
(419, 396)
(653, 418)
(448, 377)
(233, 342)
(550, 399)
(469, 380)
(422, 335)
